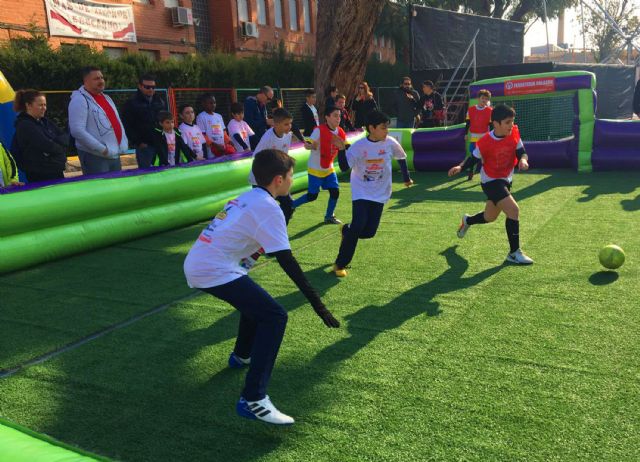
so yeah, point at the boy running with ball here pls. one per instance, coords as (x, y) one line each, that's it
(370, 162)
(216, 264)
(500, 151)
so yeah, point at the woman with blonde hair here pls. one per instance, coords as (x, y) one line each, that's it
(363, 104)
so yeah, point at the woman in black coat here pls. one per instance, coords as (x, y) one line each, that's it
(363, 104)
(42, 146)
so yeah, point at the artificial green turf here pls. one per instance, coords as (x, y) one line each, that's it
(444, 353)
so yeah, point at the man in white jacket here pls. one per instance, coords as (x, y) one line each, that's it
(95, 124)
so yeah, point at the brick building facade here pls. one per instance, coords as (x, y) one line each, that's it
(242, 27)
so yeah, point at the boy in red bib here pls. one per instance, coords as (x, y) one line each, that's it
(500, 150)
(478, 123)
(325, 142)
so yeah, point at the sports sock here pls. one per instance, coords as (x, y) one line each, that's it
(477, 219)
(513, 234)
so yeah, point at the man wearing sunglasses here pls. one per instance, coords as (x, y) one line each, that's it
(140, 115)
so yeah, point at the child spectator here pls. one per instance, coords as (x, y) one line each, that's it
(169, 145)
(500, 151)
(332, 95)
(431, 106)
(310, 118)
(239, 130)
(478, 123)
(191, 133)
(324, 143)
(212, 125)
(278, 138)
(8, 170)
(216, 264)
(370, 162)
(345, 121)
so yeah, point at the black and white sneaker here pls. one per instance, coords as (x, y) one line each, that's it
(332, 220)
(519, 258)
(262, 410)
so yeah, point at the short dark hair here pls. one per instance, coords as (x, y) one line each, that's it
(269, 163)
(406, 78)
(281, 114)
(164, 115)
(237, 108)
(308, 92)
(329, 109)
(144, 77)
(375, 118)
(484, 92)
(332, 88)
(88, 70)
(427, 83)
(205, 97)
(183, 107)
(502, 112)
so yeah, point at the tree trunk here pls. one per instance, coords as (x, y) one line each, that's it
(344, 33)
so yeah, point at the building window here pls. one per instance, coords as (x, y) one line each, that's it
(293, 15)
(306, 13)
(262, 12)
(114, 53)
(277, 9)
(153, 55)
(171, 3)
(243, 11)
(382, 41)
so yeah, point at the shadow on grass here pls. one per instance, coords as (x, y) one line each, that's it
(304, 232)
(602, 278)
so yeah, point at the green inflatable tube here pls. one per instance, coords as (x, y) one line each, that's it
(54, 222)
(19, 444)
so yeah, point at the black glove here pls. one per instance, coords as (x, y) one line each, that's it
(326, 316)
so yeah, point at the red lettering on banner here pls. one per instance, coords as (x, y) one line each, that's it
(529, 86)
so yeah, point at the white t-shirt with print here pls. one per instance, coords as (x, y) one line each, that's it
(271, 141)
(212, 126)
(244, 130)
(246, 224)
(171, 147)
(370, 164)
(193, 137)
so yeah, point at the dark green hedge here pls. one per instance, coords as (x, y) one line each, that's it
(31, 63)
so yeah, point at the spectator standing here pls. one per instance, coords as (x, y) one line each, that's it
(191, 133)
(212, 125)
(140, 115)
(363, 104)
(406, 104)
(42, 145)
(169, 145)
(95, 124)
(239, 130)
(8, 170)
(345, 120)
(332, 96)
(431, 107)
(255, 113)
(310, 118)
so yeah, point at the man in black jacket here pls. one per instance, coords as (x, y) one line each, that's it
(140, 115)
(406, 104)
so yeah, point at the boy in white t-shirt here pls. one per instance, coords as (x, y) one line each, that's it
(325, 142)
(239, 130)
(278, 137)
(191, 133)
(370, 162)
(218, 263)
(212, 126)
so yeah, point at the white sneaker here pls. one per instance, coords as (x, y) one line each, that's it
(262, 410)
(462, 229)
(519, 258)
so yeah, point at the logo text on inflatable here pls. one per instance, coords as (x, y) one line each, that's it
(529, 86)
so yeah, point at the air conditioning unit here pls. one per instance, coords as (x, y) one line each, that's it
(249, 29)
(181, 16)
